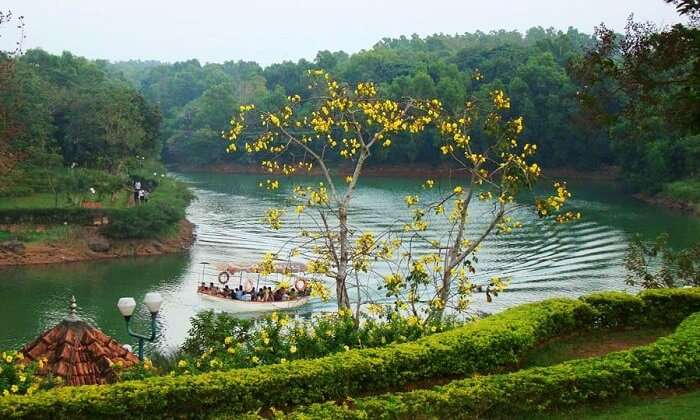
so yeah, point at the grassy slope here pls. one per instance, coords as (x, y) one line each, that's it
(591, 344)
(684, 405)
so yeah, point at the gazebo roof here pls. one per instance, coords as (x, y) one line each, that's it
(78, 352)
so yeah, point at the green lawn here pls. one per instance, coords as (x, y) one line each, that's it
(47, 201)
(30, 234)
(683, 405)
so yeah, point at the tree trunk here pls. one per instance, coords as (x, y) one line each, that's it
(443, 295)
(341, 289)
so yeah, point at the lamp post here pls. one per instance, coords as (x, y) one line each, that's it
(126, 306)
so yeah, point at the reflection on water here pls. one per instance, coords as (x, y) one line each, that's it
(542, 260)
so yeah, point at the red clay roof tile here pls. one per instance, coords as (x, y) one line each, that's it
(79, 353)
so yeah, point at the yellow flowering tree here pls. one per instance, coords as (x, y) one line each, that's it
(332, 132)
(491, 167)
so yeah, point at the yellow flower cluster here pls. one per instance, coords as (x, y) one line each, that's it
(267, 265)
(367, 89)
(500, 100)
(552, 204)
(363, 246)
(273, 218)
(411, 200)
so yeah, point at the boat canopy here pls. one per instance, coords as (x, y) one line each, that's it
(279, 267)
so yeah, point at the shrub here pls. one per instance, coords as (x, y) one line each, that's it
(670, 362)
(145, 221)
(486, 346)
(223, 342)
(18, 377)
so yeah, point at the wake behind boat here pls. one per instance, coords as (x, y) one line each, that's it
(247, 297)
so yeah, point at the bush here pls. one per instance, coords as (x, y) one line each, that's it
(486, 346)
(670, 362)
(144, 221)
(18, 377)
(224, 342)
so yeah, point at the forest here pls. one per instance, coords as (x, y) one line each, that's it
(583, 100)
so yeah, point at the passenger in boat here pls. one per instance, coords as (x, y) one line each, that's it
(201, 288)
(226, 292)
(292, 293)
(253, 295)
(280, 294)
(261, 294)
(239, 293)
(212, 289)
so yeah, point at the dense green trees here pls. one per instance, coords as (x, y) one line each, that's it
(58, 110)
(195, 99)
(645, 86)
(630, 100)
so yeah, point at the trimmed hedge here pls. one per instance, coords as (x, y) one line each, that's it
(487, 346)
(672, 361)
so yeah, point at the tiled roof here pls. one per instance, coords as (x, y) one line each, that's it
(79, 353)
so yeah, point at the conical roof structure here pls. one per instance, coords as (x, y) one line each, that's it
(78, 352)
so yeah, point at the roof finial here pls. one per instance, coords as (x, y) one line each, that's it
(72, 315)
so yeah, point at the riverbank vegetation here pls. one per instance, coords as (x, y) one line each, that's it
(73, 141)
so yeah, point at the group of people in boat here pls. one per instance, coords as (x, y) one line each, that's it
(262, 294)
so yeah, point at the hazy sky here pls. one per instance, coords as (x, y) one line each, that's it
(269, 31)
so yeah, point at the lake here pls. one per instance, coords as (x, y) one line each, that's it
(542, 260)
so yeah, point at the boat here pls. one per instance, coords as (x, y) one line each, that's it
(244, 306)
(227, 304)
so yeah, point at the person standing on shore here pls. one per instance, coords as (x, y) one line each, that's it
(137, 189)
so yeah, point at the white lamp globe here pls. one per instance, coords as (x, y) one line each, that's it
(126, 306)
(153, 300)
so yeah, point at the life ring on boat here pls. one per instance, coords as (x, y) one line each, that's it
(224, 277)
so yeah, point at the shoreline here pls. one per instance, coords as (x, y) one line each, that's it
(680, 206)
(82, 248)
(607, 173)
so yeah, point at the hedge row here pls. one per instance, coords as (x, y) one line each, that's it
(77, 216)
(487, 346)
(672, 361)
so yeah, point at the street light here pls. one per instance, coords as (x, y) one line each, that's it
(126, 306)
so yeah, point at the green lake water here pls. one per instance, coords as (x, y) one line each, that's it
(542, 260)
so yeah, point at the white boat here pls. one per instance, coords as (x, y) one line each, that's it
(246, 306)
